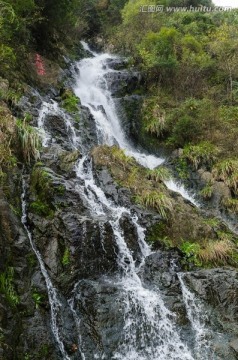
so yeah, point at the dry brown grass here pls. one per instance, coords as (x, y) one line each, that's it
(216, 252)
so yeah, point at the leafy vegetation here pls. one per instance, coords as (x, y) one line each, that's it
(38, 298)
(29, 140)
(66, 257)
(7, 286)
(146, 185)
(43, 190)
(155, 200)
(70, 102)
(210, 253)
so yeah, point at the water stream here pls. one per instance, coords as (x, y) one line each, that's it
(54, 299)
(150, 331)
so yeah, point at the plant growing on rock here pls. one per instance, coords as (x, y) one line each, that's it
(207, 191)
(158, 201)
(66, 257)
(7, 286)
(70, 102)
(210, 252)
(227, 171)
(204, 153)
(29, 140)
(42, 188)
(160, 174)
(154, 117)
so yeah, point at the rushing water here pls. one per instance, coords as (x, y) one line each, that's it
(150, 331)
(54, 300)
(145, 311)
(91, 87)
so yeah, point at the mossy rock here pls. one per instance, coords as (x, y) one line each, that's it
(68, 160)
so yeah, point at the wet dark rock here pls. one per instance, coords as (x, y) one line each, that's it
(56, 125)
(120, 83)
(117, 63)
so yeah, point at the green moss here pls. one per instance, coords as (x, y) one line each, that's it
(70, 102)
(41, 208)
(43, 190)
(157, 235)
(31, 260)
(66, 257)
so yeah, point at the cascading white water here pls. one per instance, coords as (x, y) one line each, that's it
(198, 318)
(52, 108)
(54, 301)
(91, 87)
(150, 331)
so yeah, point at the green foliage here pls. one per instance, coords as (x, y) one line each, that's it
(158, 51)
(157, 236)
(41, 208)
(38, 298)
(203, 153)
(29, 140)
(42, 187)
(182, 168)
(191, 251)
(227, 171)
(120, 156)
(207, 191)
(7, 286)
(186, 124)
(154, 117)
(158, 201)
(160, 174)
(213, 222)
(66, 257)
(210, 252)
(70, 102)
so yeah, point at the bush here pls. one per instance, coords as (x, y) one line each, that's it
(202, 154)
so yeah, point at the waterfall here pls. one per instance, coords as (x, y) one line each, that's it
(198, 318)
(92, 89)
(54, 300)
(150, 331)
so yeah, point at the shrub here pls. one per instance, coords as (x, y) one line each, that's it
(202, 154)
(154, 117)
(71, 103)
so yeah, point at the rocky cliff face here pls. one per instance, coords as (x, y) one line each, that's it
(82, 256)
